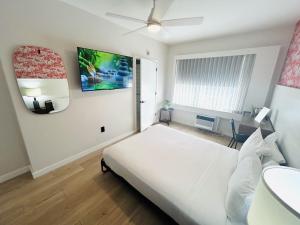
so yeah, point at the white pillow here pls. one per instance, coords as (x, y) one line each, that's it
(252, 144)
(272, 138)
(264, 148)
(274, 152)
(241, 188)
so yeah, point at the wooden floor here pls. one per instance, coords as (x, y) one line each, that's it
(224, 140)
(79, 194)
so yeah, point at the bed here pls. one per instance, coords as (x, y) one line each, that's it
(185, 176)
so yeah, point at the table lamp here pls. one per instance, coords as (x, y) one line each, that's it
(277, 198)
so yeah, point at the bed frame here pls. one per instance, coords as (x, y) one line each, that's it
(104, 167)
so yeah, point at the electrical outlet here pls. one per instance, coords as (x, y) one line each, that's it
(102, 129)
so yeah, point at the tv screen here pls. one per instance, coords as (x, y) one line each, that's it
(103, 70)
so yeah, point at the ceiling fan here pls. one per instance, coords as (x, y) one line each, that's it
(154, 24)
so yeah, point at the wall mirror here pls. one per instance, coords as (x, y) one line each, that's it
(42, 79)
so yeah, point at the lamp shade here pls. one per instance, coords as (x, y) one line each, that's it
(31, 92)
(277, 198)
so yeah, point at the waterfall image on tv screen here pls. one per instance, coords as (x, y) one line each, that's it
(103, 70)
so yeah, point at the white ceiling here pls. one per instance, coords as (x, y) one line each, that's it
(221, 17)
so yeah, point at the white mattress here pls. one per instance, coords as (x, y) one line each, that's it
(182, 174)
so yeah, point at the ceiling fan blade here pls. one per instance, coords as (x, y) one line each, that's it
(150, 17)
(161, 7)
(182, 21)
(113, 15)
(136, 30)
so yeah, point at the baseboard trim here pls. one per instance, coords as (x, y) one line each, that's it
(63, 162)
(13, 174)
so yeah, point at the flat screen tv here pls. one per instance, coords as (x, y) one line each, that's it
(101, 70)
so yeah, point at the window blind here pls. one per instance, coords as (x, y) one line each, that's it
(216, 83)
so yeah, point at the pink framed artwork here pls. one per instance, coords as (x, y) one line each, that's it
(38, 62)
(291, 71)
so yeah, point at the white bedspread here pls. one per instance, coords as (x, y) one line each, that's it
(182, 174)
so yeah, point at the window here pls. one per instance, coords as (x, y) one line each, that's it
(215, 83)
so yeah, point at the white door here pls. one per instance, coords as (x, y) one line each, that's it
(148, 93)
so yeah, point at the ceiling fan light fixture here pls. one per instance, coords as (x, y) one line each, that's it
(154, 24)
(154, 27)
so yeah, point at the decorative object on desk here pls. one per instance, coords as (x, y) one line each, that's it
(276, 200)
(165, 115)
(236, 137)
(41, 74)
(255, 111)
(262, 114)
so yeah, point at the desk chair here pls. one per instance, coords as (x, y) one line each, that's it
(236, 137)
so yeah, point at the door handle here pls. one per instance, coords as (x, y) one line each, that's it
(142, 101)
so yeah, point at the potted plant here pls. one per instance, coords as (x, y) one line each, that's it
(167, 104)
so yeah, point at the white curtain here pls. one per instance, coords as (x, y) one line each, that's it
(217, 83)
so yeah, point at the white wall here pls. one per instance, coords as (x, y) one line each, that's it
(286, 120)
(277, 36)
(12, 150)
(58, 26)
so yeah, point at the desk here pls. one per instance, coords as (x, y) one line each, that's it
(248, 125)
